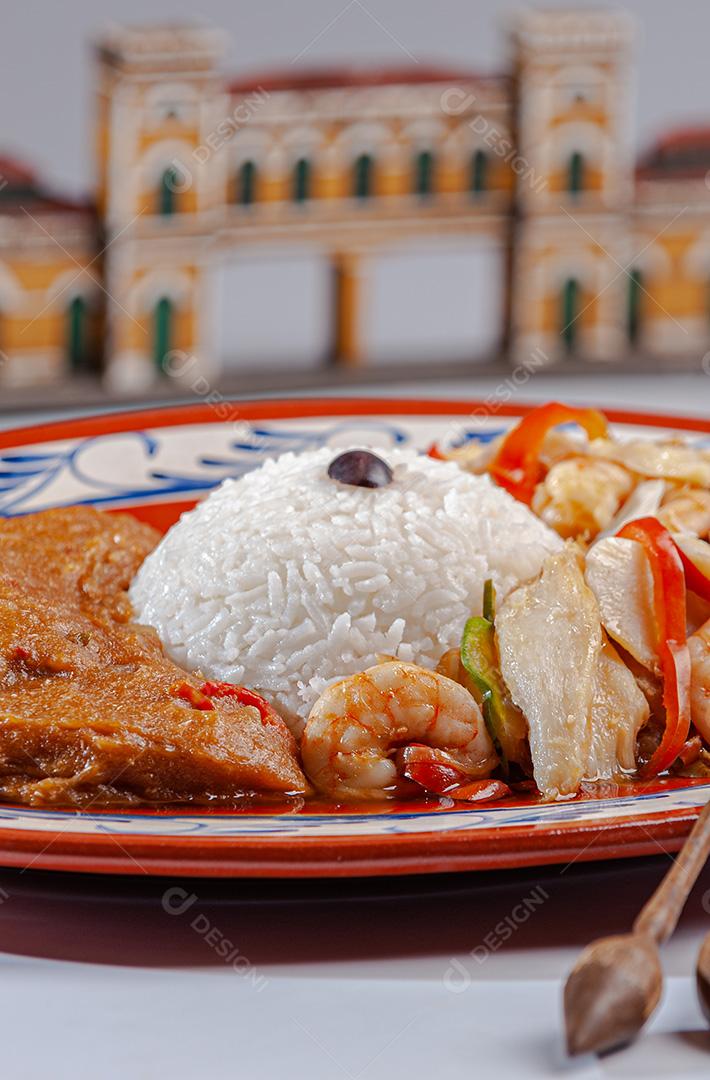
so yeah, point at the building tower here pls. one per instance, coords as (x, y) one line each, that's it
(160, 191)
(569, 291)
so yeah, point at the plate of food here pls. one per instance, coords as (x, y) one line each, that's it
(328, 638)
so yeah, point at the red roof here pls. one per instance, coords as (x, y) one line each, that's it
(20, 187)
(326, 78)
(682, 154)
(684, 137)
(14, 173)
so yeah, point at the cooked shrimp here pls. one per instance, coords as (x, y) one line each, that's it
(687, 510)
(356, 727)
(562, 443)
(580, 496)
(699, 646)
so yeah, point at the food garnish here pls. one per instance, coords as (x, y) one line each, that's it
(435, 772)
(517, 466)
(479, 657)
(674, 657)
(195, 698)
(360, 468)
(245, 696)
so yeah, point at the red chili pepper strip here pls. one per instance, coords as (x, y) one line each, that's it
(194, 697)
(669, 608)
(435, 452)
(245, 697)
(516, 466)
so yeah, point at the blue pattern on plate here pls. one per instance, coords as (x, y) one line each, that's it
(25, 476)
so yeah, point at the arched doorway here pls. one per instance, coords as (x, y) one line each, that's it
(569, 313)
(167, 191)
(162, 333)
(245, 187)
(362, 176)
(575, 173)
(424, 173)
(479, 172)
(77, 334)
(302, 180)
(633, 313)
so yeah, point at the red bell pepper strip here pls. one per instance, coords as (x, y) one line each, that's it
(516, 466)
(669, 606)
(480, 791)
(245, 697)
(197, 699)
(423, 765)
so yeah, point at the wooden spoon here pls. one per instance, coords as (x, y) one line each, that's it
(616, 983)
(702, 975)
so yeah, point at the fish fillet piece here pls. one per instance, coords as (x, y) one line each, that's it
(619, 574)
(669, 460)
(581, 703)
(619, 711)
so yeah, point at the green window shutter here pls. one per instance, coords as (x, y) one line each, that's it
(301, 180)
(246, 183)
(162, 333)
(575, 173)
(424, 173)
(569, 313)
(362, 180)
(633, 315)
(76, 334)
(166, 195)
(479, 172)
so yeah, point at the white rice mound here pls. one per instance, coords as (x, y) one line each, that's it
(284, 579)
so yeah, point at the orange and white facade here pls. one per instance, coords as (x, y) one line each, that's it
(50, 282)
(571, 250)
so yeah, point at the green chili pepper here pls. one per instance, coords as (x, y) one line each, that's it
(479, 657)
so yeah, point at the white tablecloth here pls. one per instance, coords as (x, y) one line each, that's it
(347, 979)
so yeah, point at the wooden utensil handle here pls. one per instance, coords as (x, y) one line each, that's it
(659, 917)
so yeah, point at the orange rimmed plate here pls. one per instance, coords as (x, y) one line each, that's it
(157, 463)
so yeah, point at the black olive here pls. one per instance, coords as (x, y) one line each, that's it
(361, 468)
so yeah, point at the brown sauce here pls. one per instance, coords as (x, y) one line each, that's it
(89, 713)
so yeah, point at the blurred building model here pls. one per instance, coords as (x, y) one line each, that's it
(50, 281)
(576, 251)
